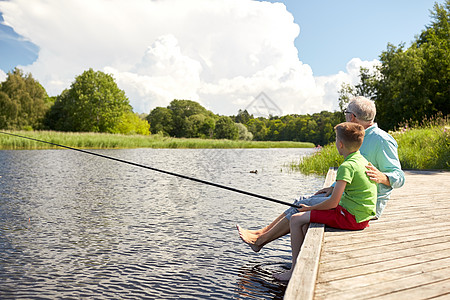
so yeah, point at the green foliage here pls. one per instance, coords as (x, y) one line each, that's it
(424, 146)
(182, 118)
(243, 117)
(161, 120)
(244, 134)
(93, 103)
(111, 141)
(319, 162)
(414, 82)
(23, 102)
(226, 129)
(200, 126)
(366, 87)
(181, 111)
(420, 146)
(316, 128)
(131, 123)
(258, 128)
(411, 83)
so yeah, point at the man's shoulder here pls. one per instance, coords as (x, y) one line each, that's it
(376, 133)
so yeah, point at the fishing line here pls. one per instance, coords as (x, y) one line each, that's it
(159, 170)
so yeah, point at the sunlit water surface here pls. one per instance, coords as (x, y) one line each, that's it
(79, 226)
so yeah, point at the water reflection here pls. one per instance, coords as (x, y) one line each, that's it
(76, 226)
(256, 281)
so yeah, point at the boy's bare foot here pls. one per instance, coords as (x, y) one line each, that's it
(283, 276)
(249, 238)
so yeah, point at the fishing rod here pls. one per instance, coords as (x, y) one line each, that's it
(159, 170)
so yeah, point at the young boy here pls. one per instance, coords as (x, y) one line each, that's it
(353, 201)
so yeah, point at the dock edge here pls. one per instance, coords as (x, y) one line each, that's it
(303, 280)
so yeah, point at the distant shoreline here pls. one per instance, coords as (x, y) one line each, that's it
(90, 140)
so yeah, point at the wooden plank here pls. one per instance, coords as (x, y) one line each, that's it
(384, 256)
(424, 291)
(391, 286)
(381, 266)
(370, 281)
(330, 178)
(303, 279)
(405, 254)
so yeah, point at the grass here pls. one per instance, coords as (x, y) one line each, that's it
(424, 148)
(420, 146)
(320, 161)
(117, 141)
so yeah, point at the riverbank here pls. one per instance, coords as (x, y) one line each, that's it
(89, 140)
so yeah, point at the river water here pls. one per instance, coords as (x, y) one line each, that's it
(74, 225)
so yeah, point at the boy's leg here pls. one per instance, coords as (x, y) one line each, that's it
(275, 231)
(258, 232)
(278, 228)
(297, 236)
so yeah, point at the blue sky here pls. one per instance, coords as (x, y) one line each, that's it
(332, 32)
(14, 50)
(221, 53)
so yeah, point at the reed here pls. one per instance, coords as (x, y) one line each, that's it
(422, 146)
(118, 141)
(426, 145)
(320, 161)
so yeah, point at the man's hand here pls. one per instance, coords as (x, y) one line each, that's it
(376, 175)
(327, 191)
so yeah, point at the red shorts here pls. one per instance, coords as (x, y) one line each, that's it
(338, 217)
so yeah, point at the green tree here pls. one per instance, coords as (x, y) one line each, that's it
(258, 128)
(200, 126)
(366, 87)
(243, 117)
(226, 129)
(93, 103)
(131, 123)
(276, 127)
(244, 134)
(414, 82)
(23, 102)
(181, 111)
(161, 120)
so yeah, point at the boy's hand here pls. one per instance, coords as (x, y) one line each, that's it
(327, 191)
(304, 208)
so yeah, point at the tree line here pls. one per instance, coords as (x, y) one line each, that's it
(94, 103)
(186, 118)
(410, 84)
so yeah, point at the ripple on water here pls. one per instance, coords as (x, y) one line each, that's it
(75, 227)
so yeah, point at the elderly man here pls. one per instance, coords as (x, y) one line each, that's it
(378, 147)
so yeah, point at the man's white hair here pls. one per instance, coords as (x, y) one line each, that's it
(363, 108)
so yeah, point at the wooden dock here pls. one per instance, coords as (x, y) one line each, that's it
(404, 255)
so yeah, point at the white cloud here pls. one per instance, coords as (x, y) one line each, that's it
(330, 85)
(222, 53)
(2, 76)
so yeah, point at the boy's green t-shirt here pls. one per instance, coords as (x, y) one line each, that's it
(360, 194)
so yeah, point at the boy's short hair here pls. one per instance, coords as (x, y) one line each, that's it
(351, 134)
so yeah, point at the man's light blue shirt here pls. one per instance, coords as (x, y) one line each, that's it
(380, 148)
